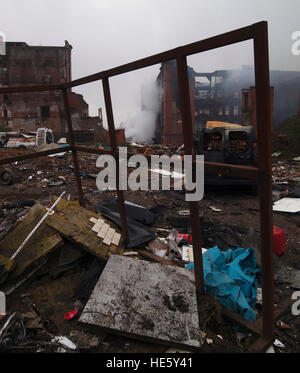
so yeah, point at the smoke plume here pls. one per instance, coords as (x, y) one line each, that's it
(141, 126)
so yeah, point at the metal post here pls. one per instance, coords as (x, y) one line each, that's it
(189, 148)
(263, 111)
(114, 147)
(72, 143)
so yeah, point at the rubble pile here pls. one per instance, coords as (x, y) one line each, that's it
(74, 286)
(286, 172)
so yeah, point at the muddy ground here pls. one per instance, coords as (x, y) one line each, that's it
(54, 297)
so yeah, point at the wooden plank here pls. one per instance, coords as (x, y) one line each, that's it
(146, 301)
(155, 258)
(72, 222)
(41, 243)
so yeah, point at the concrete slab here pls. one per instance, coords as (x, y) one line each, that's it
(145, 300)
(296, 282)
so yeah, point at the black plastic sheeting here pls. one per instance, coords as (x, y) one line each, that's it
(140, 214)
(19, 203)
(87, 284)
(137, 232)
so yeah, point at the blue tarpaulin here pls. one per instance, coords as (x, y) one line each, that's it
(231, 276)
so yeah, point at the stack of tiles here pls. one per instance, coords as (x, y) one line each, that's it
(105, 232)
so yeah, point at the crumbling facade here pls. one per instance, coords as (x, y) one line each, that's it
(169, 123)
(36, 65)
(249, 106)
(222, 95)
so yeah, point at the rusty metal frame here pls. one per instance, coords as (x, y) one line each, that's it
(257, 32)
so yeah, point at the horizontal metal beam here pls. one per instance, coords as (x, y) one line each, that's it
(223, 168)
(222, 40)
(31, 88)
(34, 155)
(228, 38)
(260, 345)
(237, 318)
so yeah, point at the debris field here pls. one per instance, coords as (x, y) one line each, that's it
(75, 287)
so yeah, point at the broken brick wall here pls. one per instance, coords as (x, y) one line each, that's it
(169, 124)
(39, 65)
(249, 106)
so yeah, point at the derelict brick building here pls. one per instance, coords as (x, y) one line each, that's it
(35, 65)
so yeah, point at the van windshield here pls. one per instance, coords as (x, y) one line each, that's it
(237, 141)
(213, 141)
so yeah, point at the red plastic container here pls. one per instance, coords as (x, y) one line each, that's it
(279, 240)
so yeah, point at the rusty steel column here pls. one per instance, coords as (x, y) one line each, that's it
(264, 132)
(72, 143)
(189, 148)
(114, 148)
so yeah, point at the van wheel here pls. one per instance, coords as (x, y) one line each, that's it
(21, 147)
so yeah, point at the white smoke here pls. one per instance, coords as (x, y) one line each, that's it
(141, 126)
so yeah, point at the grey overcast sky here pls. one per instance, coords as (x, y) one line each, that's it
(108, 33)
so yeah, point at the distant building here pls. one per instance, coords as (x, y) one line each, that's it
(249, 106)
(222, 95)
(169, 124)
(36, 65)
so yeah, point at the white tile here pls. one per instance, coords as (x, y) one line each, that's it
(116, 239)
(109, 235)
(103, 230)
